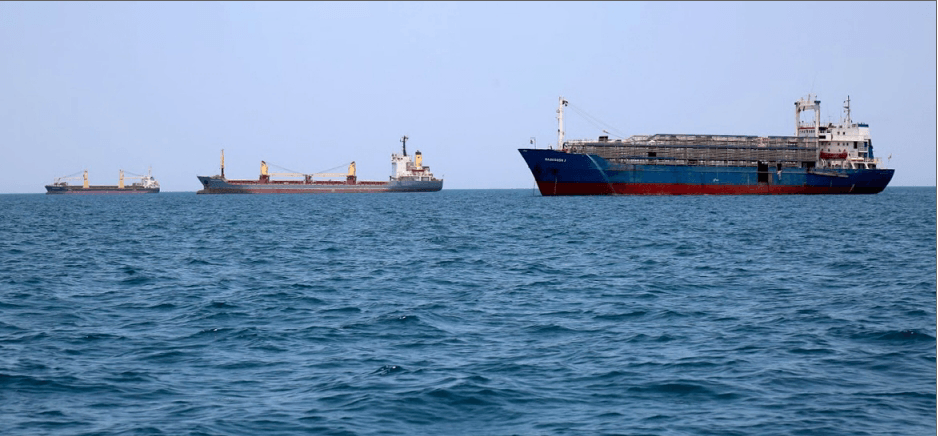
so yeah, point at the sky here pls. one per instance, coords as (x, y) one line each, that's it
(312, 86)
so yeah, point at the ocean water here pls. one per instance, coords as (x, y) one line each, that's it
(468, 312)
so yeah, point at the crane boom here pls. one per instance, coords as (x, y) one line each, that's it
(267, 173)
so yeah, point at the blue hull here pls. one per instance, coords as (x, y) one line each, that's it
(561, 173)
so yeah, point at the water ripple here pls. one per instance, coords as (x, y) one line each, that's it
(468, 312)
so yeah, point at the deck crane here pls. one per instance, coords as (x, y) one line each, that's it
(308, 178)
(64, 179)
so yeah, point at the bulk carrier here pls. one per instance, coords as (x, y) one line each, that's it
(818, 159)
(408, 174)
(146, 185)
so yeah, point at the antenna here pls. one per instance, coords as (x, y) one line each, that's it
(560, 131)
(847, 107)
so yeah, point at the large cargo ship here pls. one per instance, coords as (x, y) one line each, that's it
(819, 159)
(145, 185)
(408, 174)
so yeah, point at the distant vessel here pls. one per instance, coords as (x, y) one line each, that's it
(831, 159)
(408, 174)
(146, 185)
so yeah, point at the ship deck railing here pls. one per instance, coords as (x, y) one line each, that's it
(698, 149)
(703, 163)
(704, 141)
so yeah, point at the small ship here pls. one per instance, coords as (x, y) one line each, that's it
(408, 174)
(145, 185)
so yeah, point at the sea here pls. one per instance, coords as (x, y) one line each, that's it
(468, 312)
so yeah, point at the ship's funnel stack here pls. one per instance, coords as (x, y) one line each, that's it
(419, 159)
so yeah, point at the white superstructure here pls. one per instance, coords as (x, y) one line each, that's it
(843, 145)
(405, 167)
(146, 181)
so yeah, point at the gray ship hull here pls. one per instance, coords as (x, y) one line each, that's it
(218, 185)
(93, 190)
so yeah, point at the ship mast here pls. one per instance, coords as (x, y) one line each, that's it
(847, 107)
(223, 163)
(404, 140)
(560, 122)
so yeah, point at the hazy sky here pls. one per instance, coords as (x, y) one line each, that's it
(313, 86)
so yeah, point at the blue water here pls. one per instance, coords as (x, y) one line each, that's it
(468, 312)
